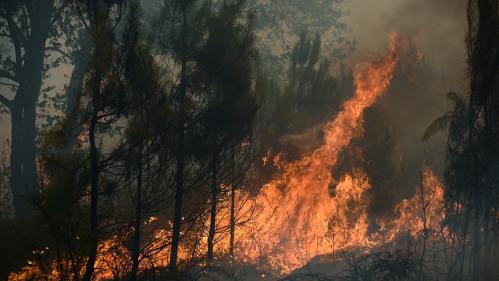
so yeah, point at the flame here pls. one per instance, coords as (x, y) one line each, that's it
(423, 212)
(303, 212)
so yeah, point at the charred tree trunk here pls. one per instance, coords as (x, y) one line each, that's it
(232, 204)
(138, 221)
(94, 181)
(213, 209)
(425, 227)
(180, 154)
(179, 183)
(476, 242)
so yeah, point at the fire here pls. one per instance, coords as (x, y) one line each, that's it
(423, 212)
(306, 212)
(303, 212)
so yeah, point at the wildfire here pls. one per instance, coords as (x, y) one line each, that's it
(303, 211)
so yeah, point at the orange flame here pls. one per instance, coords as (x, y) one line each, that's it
(303, 211)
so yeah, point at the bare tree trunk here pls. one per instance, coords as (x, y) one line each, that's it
(81, 61)
(425, 230)
(213, 209)
(94, 184)
(488, 261)
(19, 192)
(232, 204)
(180, 155)
(23, 109)
(177, 216)
(73, 92)
(138, 222)
(476, 247)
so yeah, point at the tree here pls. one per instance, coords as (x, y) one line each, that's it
(64, 174)
(310, 83)
(226, 72)
(100, 18)
(310, 96)
(147, 126)
(472, 155)
(27, 27)
(279, 23)
(182, 27)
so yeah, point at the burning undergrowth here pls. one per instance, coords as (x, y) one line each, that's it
(307, 209)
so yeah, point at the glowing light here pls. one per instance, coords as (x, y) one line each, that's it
(303, 212)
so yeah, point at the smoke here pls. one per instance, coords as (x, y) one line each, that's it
(396, 123)
(391, 152)
(433, 64)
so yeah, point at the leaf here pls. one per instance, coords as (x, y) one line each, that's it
(439, 125)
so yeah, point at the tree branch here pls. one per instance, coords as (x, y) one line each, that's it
(7, 84)
(60, 52)
(5, 101)
(17, 37)
(7, 75)
(58, 13)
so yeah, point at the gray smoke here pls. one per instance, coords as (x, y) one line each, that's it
(436, 28)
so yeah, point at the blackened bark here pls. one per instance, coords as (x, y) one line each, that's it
(213, 209)
(232, 204)
(180, 154)
(177, 216)
(94, 182)
(138, 222)
(476, 241)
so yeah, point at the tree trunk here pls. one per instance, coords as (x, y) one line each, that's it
(180, 154)
(94, 182)
(177, 216)
(16, 165)
(138, 222)
(232, 204)
(81, 61)
(425, 230)
(213, 209)
(476, 247)
(23, 138)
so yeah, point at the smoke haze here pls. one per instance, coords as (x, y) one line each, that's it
(435, 29)
(417, 97)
